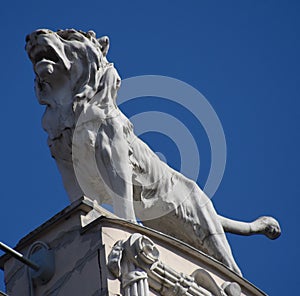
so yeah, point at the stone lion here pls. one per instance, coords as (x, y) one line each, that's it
(99, 156)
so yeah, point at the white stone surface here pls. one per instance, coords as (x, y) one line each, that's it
(176, 257)
(99, 156)
(136, 263)
(81, 257)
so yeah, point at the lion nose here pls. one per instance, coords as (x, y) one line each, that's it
(36, 33)
(42, 31)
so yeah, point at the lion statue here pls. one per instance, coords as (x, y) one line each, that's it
(98, 154)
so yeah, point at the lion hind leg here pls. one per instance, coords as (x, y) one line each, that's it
(208, 228)
(267, 226)
(221, 251)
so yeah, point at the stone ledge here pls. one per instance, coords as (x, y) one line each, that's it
(87, 219)
(84, 204)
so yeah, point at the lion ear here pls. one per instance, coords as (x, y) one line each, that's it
(104, 42)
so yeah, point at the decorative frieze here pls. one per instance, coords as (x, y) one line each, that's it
(136, 263)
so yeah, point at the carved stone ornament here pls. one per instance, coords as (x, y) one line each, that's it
(136, 263)
(99, 156)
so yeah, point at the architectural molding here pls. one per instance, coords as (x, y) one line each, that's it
(136, 263)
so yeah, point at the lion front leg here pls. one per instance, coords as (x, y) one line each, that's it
(115, 170)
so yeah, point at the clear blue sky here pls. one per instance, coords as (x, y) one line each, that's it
(242, 55)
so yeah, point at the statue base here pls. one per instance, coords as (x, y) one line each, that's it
(96, 253)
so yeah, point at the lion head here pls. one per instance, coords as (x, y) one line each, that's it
(67, 63)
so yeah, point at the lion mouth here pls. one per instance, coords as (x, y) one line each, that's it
(44, 54)
(44, 60)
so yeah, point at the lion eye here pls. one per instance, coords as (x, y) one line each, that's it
(71, 37)
(77, 37)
